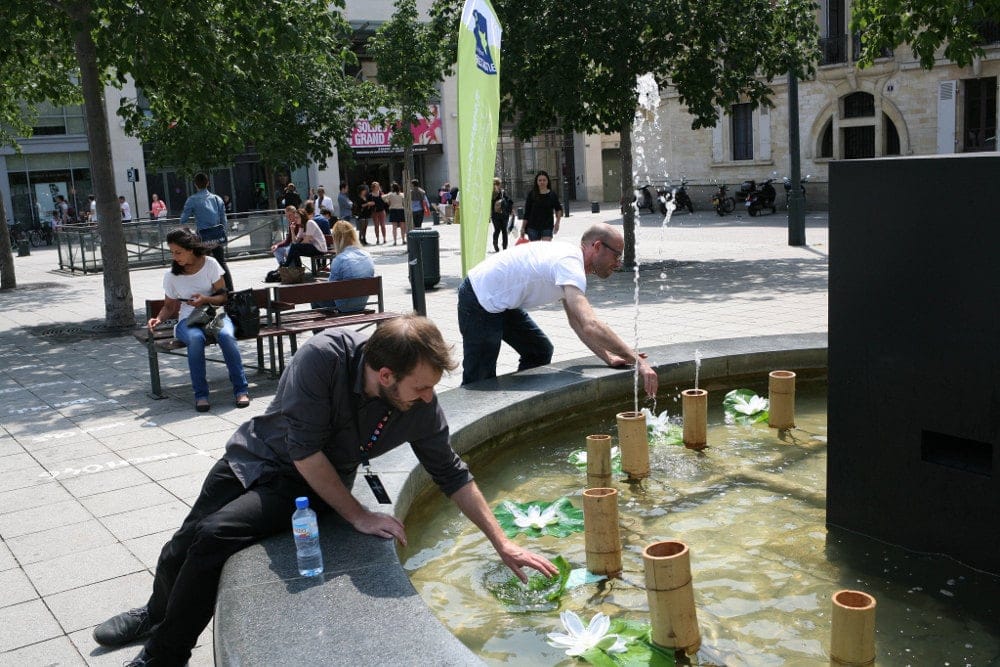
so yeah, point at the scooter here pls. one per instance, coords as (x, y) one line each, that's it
(788, 187)
(761, 198)
(646, 197)
(681, 198)
(722, 202)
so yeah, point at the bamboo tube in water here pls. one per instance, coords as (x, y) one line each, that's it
(602, 540)
(694, 404)
(852, 629)
(634, 443)
(781, 396)
(598, 461)
(671, 596)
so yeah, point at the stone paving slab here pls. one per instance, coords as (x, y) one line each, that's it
(95, 476)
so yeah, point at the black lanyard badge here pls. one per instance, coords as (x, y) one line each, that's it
(374, 483)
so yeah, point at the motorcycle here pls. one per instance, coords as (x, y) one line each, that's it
(652, 199)
(788, 187)
(681, 198)
(746, 187)
(722, 202)
(762, 197)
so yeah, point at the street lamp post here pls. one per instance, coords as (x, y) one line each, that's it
(796, 214)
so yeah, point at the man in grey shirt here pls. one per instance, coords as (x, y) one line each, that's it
(341, 402)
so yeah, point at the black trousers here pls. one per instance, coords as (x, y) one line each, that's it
(297, 250)
(224, 519)
(499, 227)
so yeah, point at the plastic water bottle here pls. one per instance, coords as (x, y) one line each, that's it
(306, 533)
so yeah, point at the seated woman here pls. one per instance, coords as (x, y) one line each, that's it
(309, 241)
(280, 250)
(196, 279)
(351, 262)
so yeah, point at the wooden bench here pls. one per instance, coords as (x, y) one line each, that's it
(162, 340)
(320, 264)
(284, 319)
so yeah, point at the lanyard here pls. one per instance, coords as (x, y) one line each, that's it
(369, 444)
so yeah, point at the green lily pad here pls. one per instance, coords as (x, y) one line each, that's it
(743, 406)
(541, 593)
(536, 518)
(639, 651)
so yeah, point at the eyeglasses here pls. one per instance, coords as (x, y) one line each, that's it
(617, 253)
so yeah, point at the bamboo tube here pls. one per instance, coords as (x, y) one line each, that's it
(852, 629)
(634, 443)
(781, 396)
(598, 461)
(602, 540)
(670, 593)
(694, 404)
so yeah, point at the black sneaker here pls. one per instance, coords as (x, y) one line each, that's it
(125, 628)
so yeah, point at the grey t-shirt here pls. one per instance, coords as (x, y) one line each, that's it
(320, 406)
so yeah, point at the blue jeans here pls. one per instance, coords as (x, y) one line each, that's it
(194, 339)
(482, 332)
(538, 234)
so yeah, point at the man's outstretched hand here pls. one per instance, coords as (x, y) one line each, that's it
(516, 557)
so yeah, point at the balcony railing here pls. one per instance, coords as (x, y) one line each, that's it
(834, 50)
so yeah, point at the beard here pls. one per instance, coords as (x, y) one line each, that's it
(391, 396)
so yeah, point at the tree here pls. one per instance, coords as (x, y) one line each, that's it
(34, 76)
(218, 76)
(412, 61)
(925, 25)
(573, 63)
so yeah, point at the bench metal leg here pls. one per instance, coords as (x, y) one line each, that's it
(154, 370)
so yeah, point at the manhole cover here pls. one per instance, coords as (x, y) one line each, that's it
(83, 330)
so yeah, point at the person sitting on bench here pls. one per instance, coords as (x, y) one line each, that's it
(350, 263)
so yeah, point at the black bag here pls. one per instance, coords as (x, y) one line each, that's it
(242, 309)
(201, 316)
(273, 276)
(213, 236)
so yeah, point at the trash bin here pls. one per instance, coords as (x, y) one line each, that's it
(23, 249)
(595, 207)
(424, 245)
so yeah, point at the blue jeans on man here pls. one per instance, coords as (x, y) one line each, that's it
(483, 331)
(194, 339)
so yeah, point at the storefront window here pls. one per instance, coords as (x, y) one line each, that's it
(36, 180)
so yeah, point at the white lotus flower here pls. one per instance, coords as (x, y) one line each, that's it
(750, 407)
(578, 639)
(534, 517)
(658, 425)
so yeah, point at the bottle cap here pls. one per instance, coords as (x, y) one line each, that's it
(301, 502)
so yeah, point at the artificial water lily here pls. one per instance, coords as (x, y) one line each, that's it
(534, 517)
(657, 425)
(577, 639)
(579, 457)
(751, 406)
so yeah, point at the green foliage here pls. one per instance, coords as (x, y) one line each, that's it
(926, 25)
(743, 406)
(540, 593)
(411, 62)
(36, 64)
(537, 518)
(640, 649)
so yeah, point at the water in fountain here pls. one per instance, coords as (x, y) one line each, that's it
(697, 366)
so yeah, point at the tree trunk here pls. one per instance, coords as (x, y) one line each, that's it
(7, 278)
(118, 308)
(628, 211)
(407, 187)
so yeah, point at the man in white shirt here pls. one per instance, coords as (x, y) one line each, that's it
(493, 298)
(93, 208)
(322, 200)
(126, 210)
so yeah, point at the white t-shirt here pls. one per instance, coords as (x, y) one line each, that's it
(528, 275)
(313, 230)
(184, 286)
(324, 202)
(126, 212)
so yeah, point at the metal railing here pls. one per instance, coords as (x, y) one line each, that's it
(834, 50)
(250, 235)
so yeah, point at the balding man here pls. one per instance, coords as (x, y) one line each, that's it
(493, 298)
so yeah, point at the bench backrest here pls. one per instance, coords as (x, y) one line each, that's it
(293, 295)
(260, 296)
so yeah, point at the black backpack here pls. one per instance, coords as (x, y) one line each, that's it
(242, 309)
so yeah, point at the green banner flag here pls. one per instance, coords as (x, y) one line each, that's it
(478, 124)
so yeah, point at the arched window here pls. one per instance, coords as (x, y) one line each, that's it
(826, 140)
(890, 136)
(859, 105)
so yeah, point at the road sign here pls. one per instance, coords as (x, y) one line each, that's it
(133, 175)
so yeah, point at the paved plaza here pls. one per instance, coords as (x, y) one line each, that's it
(95, 475)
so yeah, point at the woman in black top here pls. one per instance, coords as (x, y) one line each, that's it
(540, 208)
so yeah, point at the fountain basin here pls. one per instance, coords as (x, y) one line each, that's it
(363, 609)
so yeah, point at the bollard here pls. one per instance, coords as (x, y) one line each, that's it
(417, 286)
(595, 207)
(634, 442)
(669, 590)
(602, 542)
(598, 461)
(23, 249)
